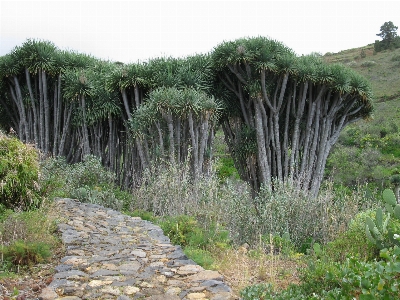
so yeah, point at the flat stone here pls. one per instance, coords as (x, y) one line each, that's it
(196, 296)
(97, 283)
(130, 290)
(70, 274)
(111, 290)
(76, 261)
(223, 296)
(104, 272)
(164, 297)
(205, 275)
(63, 268)
(189, 269)
(48, 294)
(131, 266)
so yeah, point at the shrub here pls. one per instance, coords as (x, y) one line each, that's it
(87, 181)
(21, 253)
(288, 208)
(171, 192)
(26, 237)
(19, 174)
(186, 231)
(352, 63)
(353, 242)
(368, 63)
(395, 58)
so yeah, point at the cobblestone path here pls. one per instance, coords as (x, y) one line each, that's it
(113, 256)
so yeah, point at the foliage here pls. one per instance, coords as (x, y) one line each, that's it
(353, 241)
(27, 237)
(19, 174)
(87, 181)
(287, 208)
(186, 231)
(202, 257)
(21, 253)
(383, 229)
(354, 279)
(388, 34)
(226, 169)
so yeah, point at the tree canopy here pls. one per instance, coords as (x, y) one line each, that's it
(284, 112)
(280, 113)
(388, 33)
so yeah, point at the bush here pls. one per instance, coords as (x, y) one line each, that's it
(287, 208)
(19, 174)
(353, 242)
(27, 237)
(186, 231)
(21, 253)
(87, 181)
(368, 63)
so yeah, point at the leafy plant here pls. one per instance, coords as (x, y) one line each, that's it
(87, 181)
(379, 231)
(21, 253)
(19, 174)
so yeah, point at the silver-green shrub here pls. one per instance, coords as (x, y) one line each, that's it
(281, 208)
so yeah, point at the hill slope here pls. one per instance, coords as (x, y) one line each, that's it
(369, 151)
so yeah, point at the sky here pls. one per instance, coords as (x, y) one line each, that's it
(132, 31)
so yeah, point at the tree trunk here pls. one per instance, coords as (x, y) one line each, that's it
(265, 175)
(21, 106)
(34, 110)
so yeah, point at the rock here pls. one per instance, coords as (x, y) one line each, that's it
(206, 275)
(48, 294)
(196, 296)
(114, 256)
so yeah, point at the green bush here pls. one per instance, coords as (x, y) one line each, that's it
(19, 174)
(200, 256)
(353, 242)
(21, 253)
(226, 169)
(186, 231)
(352, 279)
(87, 181)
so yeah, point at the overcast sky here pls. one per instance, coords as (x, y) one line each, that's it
(131, 31)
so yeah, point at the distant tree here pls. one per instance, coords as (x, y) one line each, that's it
(388, 34)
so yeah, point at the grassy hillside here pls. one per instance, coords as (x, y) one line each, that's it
(369, 151)
(382, 69)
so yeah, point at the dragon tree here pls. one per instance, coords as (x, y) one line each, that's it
(284, 112)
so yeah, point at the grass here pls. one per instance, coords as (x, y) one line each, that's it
(383, 73)
(27, 238)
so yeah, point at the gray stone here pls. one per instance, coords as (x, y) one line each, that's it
(70, 274)
(63, 268)
(103, 272)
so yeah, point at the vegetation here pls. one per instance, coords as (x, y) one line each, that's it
(390, 40)
(284, 113)
(226, 152)
(19, 174)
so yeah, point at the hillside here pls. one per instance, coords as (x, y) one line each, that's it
(382, 68)
(369, 149)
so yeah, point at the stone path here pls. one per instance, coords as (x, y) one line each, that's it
(113, 256)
